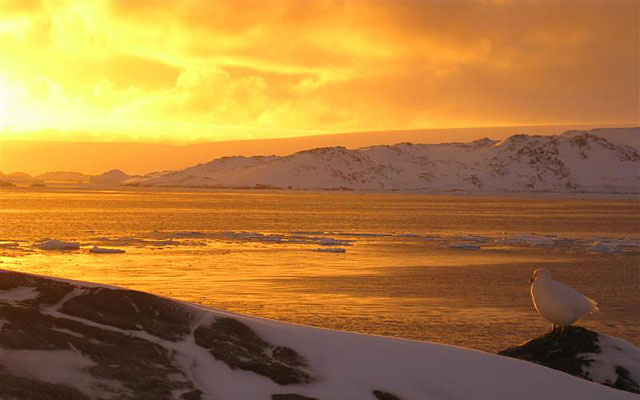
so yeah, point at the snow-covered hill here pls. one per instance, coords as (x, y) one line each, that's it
(77, 341)
(113, 176)
(597, 161)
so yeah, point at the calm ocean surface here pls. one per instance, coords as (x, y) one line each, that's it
(450, 269)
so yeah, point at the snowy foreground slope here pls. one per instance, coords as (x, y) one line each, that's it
(70, 340)
(596, 161)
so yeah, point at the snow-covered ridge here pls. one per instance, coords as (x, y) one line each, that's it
(73, 340)
(596, 161)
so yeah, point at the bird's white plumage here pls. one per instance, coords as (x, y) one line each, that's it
(557, 303)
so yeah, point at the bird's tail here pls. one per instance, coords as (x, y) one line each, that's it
(594, 308)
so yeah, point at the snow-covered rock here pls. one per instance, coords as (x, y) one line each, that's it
(587, 354)
(73, 340)
(58, 245)
(584, 161)
(618, 136)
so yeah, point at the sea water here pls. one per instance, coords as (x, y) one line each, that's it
(449, 269)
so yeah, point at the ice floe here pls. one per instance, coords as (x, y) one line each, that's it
(464, 246)
(103, 250)
(529, 240)
(333, 242)
(601, 247)
(330, 250)
(58, 245)
(469, 241)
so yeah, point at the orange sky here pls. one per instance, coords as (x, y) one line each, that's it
(183, 71)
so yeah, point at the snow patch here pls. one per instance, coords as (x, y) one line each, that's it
(65, 367)
(19, 294)
(614, 353)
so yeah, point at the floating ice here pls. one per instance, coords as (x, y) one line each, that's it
(102, 250)
(188, 234)
(601, 247)
(333, 242)
(58, 245)
(530, 240)
(359, 234)
(330, 250)
(464, 246)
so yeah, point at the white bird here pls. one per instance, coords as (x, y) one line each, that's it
(557, 303)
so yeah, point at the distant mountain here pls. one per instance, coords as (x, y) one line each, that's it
(16, 176)
(114, 176)
(63, 176)
(619, 136)
(598, 161)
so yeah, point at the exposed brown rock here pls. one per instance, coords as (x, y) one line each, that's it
(380, 395)
(240, 347)
(16, 387)
(568, 352)
(133, 310)
(291, 396)
(145, 369)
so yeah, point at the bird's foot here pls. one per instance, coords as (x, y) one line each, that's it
(556, 332)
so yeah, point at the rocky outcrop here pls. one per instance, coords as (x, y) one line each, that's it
(380, 395)
(291, 396)
(79, 341)
(119, 344)
(240, 347)
(585, 354)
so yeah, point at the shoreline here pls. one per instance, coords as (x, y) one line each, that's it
(171, 349)
(274, 190)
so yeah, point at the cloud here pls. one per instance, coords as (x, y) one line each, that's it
(192, 68)
(125, 71)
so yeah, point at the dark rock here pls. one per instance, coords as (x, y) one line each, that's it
(49, 291)
(144, 369)
(569, 352)
(291, 396)
(238, 346)
(133, 310)
(192, 395)
(125, 333)
(380, 395)
(16, 387)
